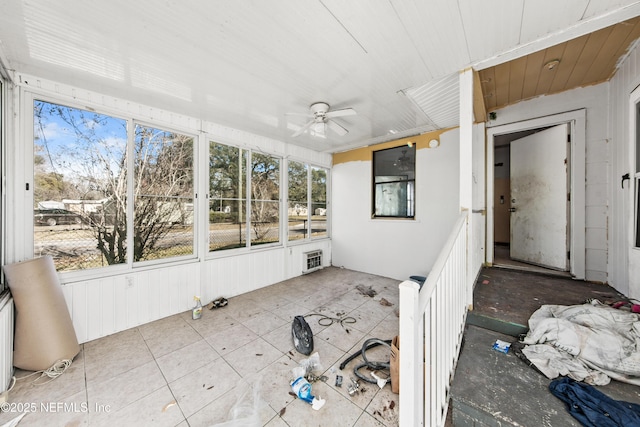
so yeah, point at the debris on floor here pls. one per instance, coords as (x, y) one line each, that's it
(169, 405)
(246, 410)
(217, 303)
(301, 386)
(379, 371)
(592, 407)
(338, 380)
(590, 342)
(387, 412)
(14, 422)
(501, 346)
(383, 301)
(325, 320)
(353, 387)
(368, 292)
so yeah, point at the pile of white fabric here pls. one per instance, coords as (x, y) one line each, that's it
(591, 342)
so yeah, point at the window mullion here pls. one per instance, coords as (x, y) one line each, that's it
(247, 222)
(131, 135)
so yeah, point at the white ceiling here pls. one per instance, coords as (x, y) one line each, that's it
(246, 64)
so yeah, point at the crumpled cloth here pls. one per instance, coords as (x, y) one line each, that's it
(594, 408)
(589, 342)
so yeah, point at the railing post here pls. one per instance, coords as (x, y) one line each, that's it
(411, 370)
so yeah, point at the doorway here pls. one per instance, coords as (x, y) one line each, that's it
(544, 238)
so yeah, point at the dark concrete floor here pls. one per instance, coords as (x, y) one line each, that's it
(495, 389)
(513, 296)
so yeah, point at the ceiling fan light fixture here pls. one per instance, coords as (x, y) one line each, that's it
(321, 116)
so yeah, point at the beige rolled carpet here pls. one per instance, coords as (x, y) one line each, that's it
(44, 332)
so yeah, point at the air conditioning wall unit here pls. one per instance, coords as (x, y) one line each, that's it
(312, 261)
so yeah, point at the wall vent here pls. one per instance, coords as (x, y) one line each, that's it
(312, 261)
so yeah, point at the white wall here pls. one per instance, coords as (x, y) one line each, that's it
(396, 248)
(624, 259)
(594, 100)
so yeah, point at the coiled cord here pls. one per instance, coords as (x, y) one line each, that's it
(328, 321)
(53, 372)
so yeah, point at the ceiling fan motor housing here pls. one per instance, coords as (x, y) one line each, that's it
(319, 109)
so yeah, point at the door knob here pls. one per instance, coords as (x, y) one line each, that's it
(512, 209)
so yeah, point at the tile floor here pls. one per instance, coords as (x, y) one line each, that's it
(181, 372)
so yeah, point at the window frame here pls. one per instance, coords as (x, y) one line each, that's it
(635, 146)
(410, 184)
(29, 97)
(131, 196)
(247, 200)
(309, 237)
(326, 202)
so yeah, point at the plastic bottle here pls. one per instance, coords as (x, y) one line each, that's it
(196, 313)
(302, 389)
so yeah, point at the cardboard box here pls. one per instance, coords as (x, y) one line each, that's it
(394, 363)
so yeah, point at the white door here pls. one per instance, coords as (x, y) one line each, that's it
(539, 198)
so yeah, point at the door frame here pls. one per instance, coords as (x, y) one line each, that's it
(577, 123)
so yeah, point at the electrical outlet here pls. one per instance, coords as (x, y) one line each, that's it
(129, 280)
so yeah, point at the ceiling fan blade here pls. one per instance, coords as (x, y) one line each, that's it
(337, 128)
(304, 128)
(341, 113)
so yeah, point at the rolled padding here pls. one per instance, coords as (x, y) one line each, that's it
(44, 332)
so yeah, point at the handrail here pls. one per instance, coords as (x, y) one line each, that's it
(441, 260)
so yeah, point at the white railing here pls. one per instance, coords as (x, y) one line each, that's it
(432, 322)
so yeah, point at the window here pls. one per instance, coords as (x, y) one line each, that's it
(394, 182)
(81, 190)
(318, 202)
(163, 194)
(307, 201)
(227, 187)
(233, 200)
(298, 210)
(80, 186)
(265, 199)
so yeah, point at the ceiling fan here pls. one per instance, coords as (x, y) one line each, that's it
(321, 116)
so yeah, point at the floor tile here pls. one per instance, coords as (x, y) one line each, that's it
(253, 357)
(233, 361)
(384, 407)
(243, 405)
(157, 409)
(115, 354)
(125, 388)
(183, 361)
(173, 339)
(203, 385)
(230, 339)
(337, 336)
(264, 323)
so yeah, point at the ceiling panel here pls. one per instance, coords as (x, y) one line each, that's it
(246, 64)
(556, 15)
(432, 26)
(491, 26)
